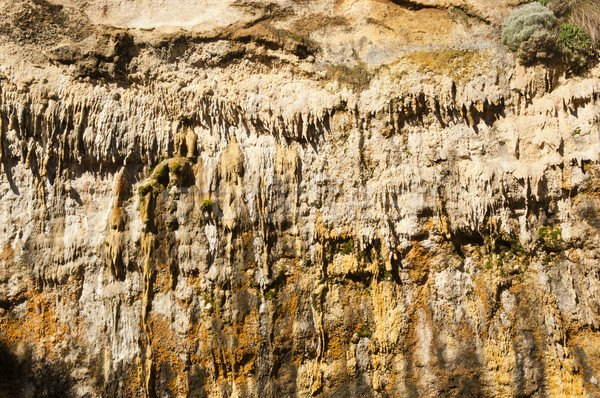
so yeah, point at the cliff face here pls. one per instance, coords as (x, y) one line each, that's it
(333, 198)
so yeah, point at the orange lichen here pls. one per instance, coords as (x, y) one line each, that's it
(247, 342)
(418, 262)
(39, 326)
(336, 347)
(166, 346)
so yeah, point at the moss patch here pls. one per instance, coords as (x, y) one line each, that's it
(145, 189)
(458, 64)
(357, 77)
(551, 239)
(207, 206)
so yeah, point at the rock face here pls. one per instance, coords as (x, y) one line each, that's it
(362, 198)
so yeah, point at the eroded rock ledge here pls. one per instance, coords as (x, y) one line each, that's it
(260, 208)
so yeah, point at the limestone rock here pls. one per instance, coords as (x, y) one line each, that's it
(335, 198)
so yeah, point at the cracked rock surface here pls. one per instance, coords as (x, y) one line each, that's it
(364, 198)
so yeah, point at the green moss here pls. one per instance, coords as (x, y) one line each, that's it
(338, 246)
(366, 255)
(145, 189)
(298, 43)
(548, 259)
(281, 278)
(161, 173)
(470, 290)
(269, 294)
(502, 249)
(503, 272)
(207, 206)
(315, 300)
(489, 263)
(176, 168)
(458, 13)
(516, 248)
(348, 247)
(210, 300)
(551, 239)
(357, 77)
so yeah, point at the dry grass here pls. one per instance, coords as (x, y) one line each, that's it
(586, 15)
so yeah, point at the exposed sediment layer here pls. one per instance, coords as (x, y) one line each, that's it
(244, 211)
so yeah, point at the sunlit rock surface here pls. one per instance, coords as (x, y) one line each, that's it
(292, 198)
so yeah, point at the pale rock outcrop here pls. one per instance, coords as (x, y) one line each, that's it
(363, 198)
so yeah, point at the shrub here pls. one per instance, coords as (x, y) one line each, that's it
(574, 38)
(530, 31)
(576, 46)
(348, 247)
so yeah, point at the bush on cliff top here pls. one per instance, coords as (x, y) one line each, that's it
(530, 31)
(534, 33)
(576, 46)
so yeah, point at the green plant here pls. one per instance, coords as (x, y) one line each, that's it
(209, 303)
(298, 43)
(269, 294)
(280, 278)
(469, 290)
(458, 13)
(573, 37)
(551, 239)
(348, 247)
(576, 45)
(489, 263)
(544, 2)
(530, 32)
(207, 206)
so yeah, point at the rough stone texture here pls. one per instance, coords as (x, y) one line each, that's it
(309, 198)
